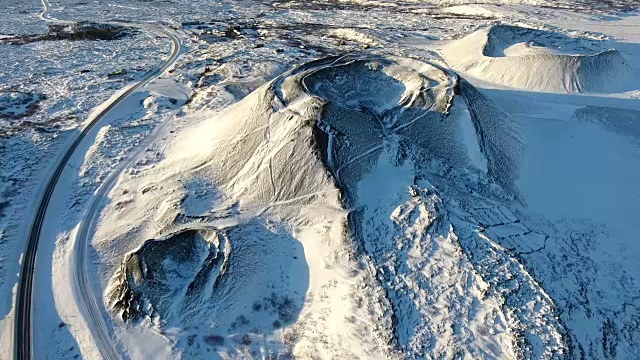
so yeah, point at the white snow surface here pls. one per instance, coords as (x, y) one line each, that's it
(354, 229)
(462, 184)
(540, 60)
(474, 10)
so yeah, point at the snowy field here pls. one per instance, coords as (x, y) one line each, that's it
(345, 179)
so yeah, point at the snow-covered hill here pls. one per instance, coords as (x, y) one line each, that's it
(377, 207)
(331, 179)
(540, 60)
(358, 206)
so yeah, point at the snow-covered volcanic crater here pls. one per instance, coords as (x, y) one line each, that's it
(540, 60)
(355, 207)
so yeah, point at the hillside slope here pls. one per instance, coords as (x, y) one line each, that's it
(539, 60)
(325, 233)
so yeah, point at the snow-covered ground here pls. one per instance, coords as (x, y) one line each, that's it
(461, 185)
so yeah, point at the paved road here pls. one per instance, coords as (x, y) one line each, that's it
(88, 302)
(24, 301)
(45, 11)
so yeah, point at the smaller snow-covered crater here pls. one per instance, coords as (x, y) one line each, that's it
(505, 41)
(532, 47)
(232, 284)
(540, 60)
(163, 270)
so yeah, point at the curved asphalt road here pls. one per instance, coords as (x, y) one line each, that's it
(45, 12)
(24, 301)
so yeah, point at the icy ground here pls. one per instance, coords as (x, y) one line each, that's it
(462, 185)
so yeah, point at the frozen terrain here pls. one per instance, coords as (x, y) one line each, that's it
(540, 60)
(323, 179)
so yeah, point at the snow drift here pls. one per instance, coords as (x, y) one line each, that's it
(315, 189)
(539, 60)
